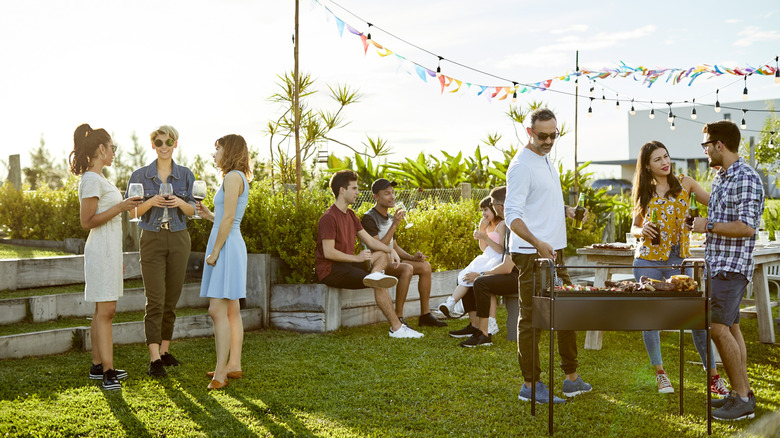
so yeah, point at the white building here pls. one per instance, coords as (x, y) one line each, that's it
(684, 142)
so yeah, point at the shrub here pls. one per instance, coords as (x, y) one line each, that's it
(42, 214)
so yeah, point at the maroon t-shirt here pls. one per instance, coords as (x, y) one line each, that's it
(339, 226)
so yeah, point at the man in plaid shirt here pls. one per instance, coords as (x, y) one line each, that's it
(735, 208)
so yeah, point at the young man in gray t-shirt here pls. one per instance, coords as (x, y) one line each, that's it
(382, 226)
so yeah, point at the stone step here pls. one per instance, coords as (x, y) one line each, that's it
(78, 338)
(50, 307)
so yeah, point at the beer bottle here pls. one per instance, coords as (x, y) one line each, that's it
(654, 219)
(579, 213)
(693, 210)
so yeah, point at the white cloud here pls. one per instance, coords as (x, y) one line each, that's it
(559, 53)
(733, 21)
(570, 29)
(754, 34)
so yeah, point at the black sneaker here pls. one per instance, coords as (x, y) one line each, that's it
(478, 340)
(431, 321)
(157, 369)
(465, 332)
(735, 409)
(169, 361)
(110, 381)
(96, 372)
(720, 402)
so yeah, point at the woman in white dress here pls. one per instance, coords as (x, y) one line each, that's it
(101, 204)
(490, 236)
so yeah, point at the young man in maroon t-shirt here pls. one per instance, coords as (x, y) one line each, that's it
(337, 266)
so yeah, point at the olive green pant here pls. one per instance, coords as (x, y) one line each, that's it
(164, 257)
(527, 344)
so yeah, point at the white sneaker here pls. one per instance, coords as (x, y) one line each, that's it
(448, 307)
(664, 385)
(492, 326)
(378, 279)
(405, 332)
(458, 310)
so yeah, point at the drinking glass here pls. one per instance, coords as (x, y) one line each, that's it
(400, 206)
(763, 237)
(166, 191)
(631, 240)
(135, 190)
(199, 192)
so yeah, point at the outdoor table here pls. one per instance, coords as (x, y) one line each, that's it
(619, 311)
(608, 262)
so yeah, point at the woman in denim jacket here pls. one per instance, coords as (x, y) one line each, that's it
(165, 246)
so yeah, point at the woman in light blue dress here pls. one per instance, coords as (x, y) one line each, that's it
(224, 274)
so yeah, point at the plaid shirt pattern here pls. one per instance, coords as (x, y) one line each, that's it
(737, 195)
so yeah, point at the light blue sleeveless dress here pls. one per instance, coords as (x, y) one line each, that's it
(228, 278)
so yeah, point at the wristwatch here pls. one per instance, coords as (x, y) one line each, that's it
(710, 225)
(482, 274)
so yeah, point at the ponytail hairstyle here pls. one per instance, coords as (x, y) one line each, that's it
(85, 144)
(235, 155)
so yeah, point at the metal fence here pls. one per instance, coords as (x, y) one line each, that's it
(410, 198)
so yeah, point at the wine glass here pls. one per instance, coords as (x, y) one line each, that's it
(399, 206)
(166, 191)
(199, 191)
(135, 190)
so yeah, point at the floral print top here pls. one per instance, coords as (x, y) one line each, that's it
(671, 214)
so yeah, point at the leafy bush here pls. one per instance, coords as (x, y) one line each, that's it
(444, 232)
(41, 214)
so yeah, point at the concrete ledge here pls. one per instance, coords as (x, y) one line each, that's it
(63, 340)
(318, 308)
(50, 307)
(37, 344)
(54, 271)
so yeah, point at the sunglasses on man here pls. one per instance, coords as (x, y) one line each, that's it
(544, 136)
(169, 142)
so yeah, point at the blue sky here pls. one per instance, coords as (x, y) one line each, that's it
(207, 67)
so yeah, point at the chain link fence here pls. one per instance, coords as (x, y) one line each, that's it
(410, 198)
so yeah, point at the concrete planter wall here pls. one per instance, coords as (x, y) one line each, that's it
(63, 340)
(319, 308)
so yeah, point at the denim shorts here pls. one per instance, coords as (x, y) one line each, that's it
(726, 293)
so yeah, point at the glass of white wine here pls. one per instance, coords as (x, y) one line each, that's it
(135, 190)
(399, 206)
(166, 191)
(199, 192)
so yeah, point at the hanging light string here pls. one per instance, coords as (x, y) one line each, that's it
(515, 84)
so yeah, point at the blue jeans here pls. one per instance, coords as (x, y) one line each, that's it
(652, 269)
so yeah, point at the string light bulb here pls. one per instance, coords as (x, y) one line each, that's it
(672, 125)
(438, 67)
(652, 110)
(514, 94)
(633, 111)
(744, 92)
(368, 37)
(693, 111)
(603, 97)
(717, 102)
(743, 125)
(670, 118)
(617, 102)
(590, 108)
(771, 139)
(591, 89)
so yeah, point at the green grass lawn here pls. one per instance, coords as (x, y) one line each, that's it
(26, 252)
(357, 382)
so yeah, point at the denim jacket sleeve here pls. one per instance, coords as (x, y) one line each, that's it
(181, 178)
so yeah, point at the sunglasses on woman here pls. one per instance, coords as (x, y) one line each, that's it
(169, 142)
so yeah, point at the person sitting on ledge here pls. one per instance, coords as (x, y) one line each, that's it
(382, 226)
(337, 265)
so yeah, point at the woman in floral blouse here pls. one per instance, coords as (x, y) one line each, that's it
(656, 188)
